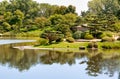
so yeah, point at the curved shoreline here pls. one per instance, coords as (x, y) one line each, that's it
(31, 47)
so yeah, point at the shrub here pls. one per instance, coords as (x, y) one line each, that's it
(92, 45)
(83, 35)
(95, 45)
(102, 35)
(108, 39)
(59, 40)
(70, 39)
(88, 36)
(77, 35)
(42, 41)
(111, 45)
(68, 34)
(52, 36)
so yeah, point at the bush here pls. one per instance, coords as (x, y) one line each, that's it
(108, 39)
(52, 36)
(88, 36)
(42, 41)
(70, 39)
(59, 40)
(92, 45)
(68, 34)
(77, 35)
(95, 45)
(102, 35)
(111, 45)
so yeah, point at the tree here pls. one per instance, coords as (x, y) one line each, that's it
(70, 19)
(61, 10)
(63, 23)
(103, 6)
(3, 6)
(70, 9)
(52, 35)
(6, 26)
(41, 22)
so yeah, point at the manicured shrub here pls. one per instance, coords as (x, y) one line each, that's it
(52, 36)
(92, 45)
(111, 45)
(70, 39)
(59, 40)
(102, 35)
(68, 34)
(77, 35)
(88, 36)
(83, 35)
(109, 34)
(95, 45)
(42, 41)
(108, 39)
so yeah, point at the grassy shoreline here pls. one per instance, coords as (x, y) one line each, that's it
(101, 45)
(64, 45)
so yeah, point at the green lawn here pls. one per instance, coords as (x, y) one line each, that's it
(65, 45)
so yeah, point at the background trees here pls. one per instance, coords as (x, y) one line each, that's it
(28, 15)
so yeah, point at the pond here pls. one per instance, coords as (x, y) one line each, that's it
(52, 64)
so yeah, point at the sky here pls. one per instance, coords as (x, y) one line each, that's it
(81, 5)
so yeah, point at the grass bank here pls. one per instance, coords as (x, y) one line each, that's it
(101, 45)
(65, 45)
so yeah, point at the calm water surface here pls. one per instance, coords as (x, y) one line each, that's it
(51, 64)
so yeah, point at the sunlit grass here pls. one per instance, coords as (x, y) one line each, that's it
(65, 45)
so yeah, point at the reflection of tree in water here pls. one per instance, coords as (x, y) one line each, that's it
(98, 64)
(60, 57)
(23, 60)
(94, 64)
(111, 65)
(17, 59)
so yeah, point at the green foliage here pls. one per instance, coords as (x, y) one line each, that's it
(41, 22)
(108, 39)
(65, 45)
(117, 26)
(92, 45)
(99, 35)
(52, 36)
(77, 35)
(70, 40)
(6, 26)
(42, 41)
(88, 36)
(103, 6)
(33, 16)
(111, 45)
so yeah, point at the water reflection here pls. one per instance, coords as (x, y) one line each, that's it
(97, 62)
(94, 64)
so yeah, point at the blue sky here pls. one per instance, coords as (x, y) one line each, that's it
(80, 5)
